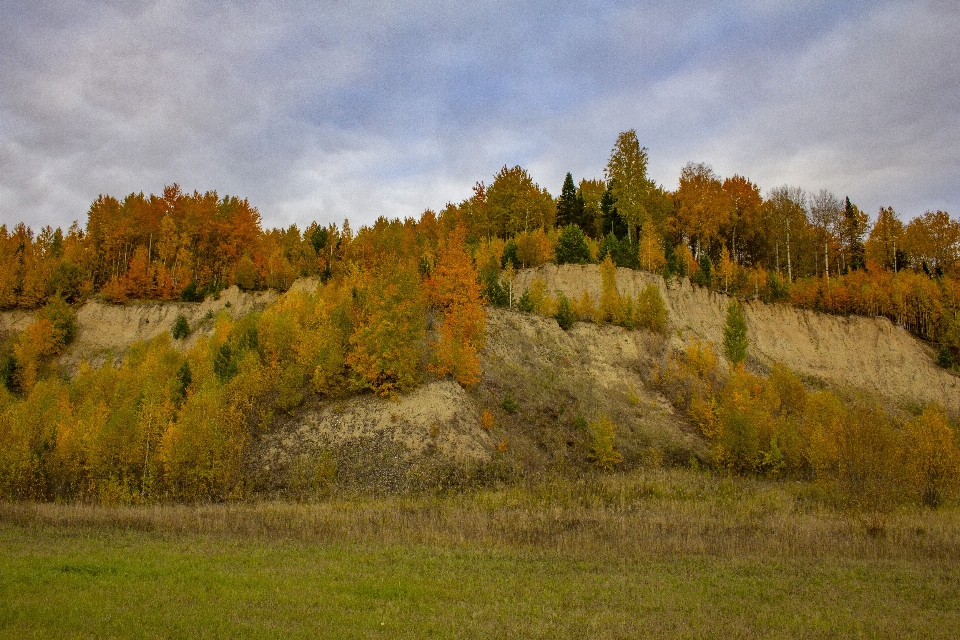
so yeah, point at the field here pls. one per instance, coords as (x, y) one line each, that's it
(652, 553)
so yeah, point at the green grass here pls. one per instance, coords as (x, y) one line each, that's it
(654, 554)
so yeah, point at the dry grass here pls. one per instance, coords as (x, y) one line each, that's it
(640, 514)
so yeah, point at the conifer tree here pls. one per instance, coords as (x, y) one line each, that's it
(569, 205)
(735, 334)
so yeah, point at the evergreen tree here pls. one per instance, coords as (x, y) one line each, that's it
(564, 315)
(569, 205)
(572, 246)
(735, 334)
(610, 216)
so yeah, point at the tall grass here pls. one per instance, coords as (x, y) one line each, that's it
(640, 514)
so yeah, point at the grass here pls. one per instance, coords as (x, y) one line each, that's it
(653, 553)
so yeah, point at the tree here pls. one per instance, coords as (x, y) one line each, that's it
(626, 173)
(702, 207)
(455, 293)
(885, 243)
(735, 340)
(785, 211)
(852, 230)
(651, 256)
(181, 329)
(572, 246)
(564, 315)
(744, 220)
(570, 205)
(933, 240)
(826, 215)
(590, 193)
(516, 204)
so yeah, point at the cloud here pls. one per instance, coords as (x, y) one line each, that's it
(363, 109)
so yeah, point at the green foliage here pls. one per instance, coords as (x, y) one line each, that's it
(494, 291)
(623, 252)
(509, 254)
(509, 403)
(66, 281)
(704, 272)
(525, 303)
(735, 341)
(569, 205)
(181, 329)
(944, 357)
(190, 293)
(62, 317)
(183, 380)
(564, 316)
(224, 363)
(319, 238)
(571, 246)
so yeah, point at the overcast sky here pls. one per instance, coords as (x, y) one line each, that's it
(320, 111)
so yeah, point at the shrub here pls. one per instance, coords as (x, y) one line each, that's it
(564, 316)
(180, 328)
(944, 357)
(524, 303)
(932, 455)
(509, 404)
(651, 311)
(603, 452)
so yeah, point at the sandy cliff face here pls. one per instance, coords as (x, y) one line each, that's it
(104, 328)
(866, 353)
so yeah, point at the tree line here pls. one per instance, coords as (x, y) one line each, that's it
(813, 249)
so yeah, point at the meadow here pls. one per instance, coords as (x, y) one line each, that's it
(653, 552)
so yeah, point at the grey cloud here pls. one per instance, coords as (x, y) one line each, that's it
(360, 108)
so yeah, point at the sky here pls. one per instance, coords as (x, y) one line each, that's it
(340, 109)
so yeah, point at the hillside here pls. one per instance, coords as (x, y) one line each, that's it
(540, 385)
(867, 354)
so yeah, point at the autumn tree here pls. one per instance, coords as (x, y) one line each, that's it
(785, 211)
(626, 173)
(455, 293)
(932, 456)
(702, 207)
(885, 243)
(515, 203)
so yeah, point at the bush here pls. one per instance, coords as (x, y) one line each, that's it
(525, 304)
(62, 317)
(509, 404)
(603, 451)
(572, 246)
(564, 316)
(651, 313)
(180, 328)
(944, 357)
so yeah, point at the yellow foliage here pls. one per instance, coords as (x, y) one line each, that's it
(932, 456)
(585, 308)
(610, 303)
(652, 257)
(541, 301)
(603, 452)
(486, 420)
